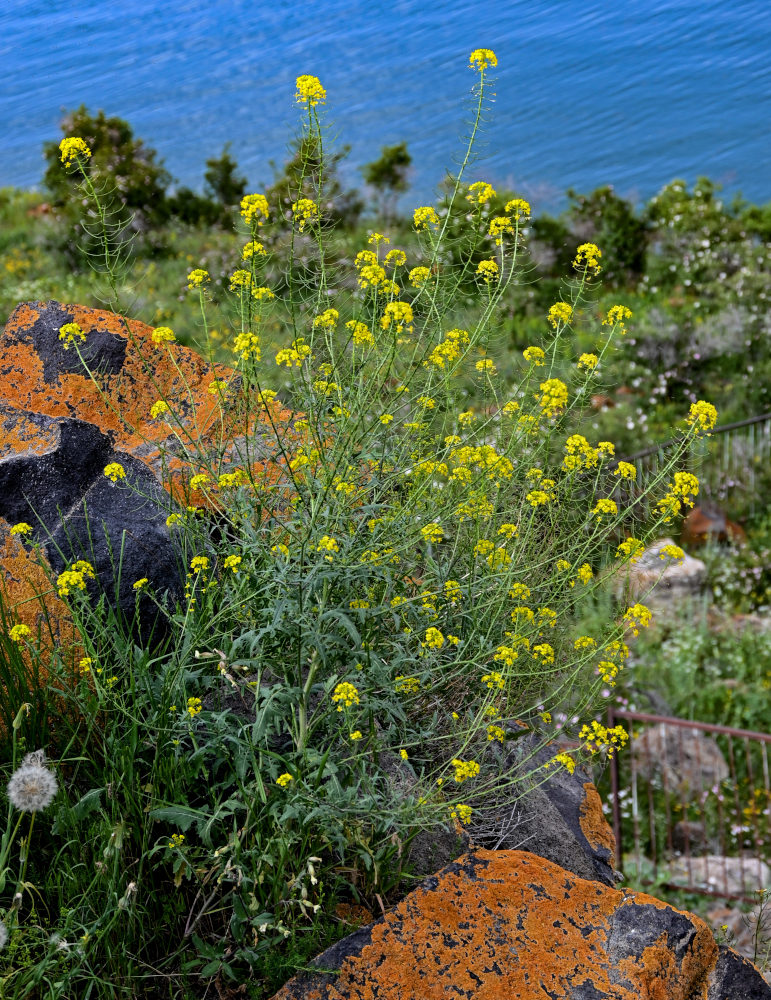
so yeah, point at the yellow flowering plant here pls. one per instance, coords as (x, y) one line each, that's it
(389, 557)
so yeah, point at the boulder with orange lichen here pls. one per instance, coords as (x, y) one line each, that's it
(67, 411)
(495, 925)
(541, 809)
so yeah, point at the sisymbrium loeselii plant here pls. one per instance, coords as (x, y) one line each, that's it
(384, 572)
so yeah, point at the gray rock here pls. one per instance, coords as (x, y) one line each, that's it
(685, 760)
(661, 582)
(76, 512)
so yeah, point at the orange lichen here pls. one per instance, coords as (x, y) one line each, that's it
(592, 820)
(29, 599)
(507, 923)
(117, 397)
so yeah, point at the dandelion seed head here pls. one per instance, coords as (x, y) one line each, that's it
(32, 786)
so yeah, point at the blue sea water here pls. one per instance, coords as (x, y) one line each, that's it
(632, 92)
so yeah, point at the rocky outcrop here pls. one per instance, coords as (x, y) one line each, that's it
(68, 411)
(499, 924)
(659, 580)
(710, 524)
(686, 760)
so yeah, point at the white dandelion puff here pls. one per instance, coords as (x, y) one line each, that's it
(32, 786)
(3, 936)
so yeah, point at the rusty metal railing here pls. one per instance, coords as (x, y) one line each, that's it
(729, 462)
(693, 801)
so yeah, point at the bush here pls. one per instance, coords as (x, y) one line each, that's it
(384, 586)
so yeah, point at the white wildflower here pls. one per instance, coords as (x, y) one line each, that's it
(32, 786)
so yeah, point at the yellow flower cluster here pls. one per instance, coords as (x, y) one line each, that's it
(544, 652)
(599, 737)
(542, 497)
(494, 679)
(631, 549)
(703, 415)
(424, 217)
(671, 551)
(328, 544)
(247, 345)
(19, 632)
(194, 706)
(487, 270)
(197, 278)
(254, 208)
(250, 250)
(616, 316)
(605, 506)
(69, 333)
(434, 639)
(158, 408)
(560, 312)
(240, 279)
(306, 212)
(284, 779)
(163, 334)
(608, 671)
(432, 532)
(406, 685)
(75, 576)
(114, 471)
(553, 398)
(419, 276)
(495, 733)
(517, 207)
(637, 617)
(199, 563)
(73, 149)
(588, 361)
(480, 59)
(486, 366)
(449, 349)
(309, 91)
(396, 258)
(399, 315)
(534, 355)
(588, 258)
(140, 584)
(22, 528)
(480, 192)
(465, 769)
(579, 454)
(626, 470)
(294, 355)
(345, 695)
(461, 812)
(500, 226)
(371, 274)
(233, 562)
(327, 320)
(682, 492)
(565, 759)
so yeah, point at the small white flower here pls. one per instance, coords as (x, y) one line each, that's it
(3, 936)
(32, 786)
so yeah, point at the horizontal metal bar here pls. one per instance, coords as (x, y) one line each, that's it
(686, 724)
(722, 429)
